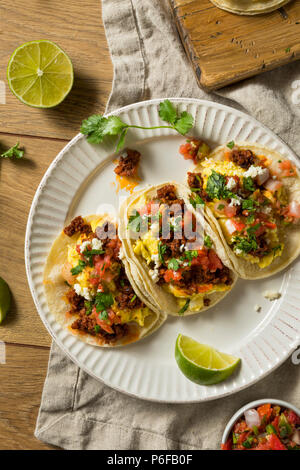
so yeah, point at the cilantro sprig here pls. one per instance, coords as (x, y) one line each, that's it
(98, 127)
(13, 152)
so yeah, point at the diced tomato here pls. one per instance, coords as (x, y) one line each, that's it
(265, 410)
(287, 168)
(148, 208)
(275, 443)
(260, 230)
(94, 280)
(240, 427)
(214, 261)
(263, 446)
(171, 275)
(102, 266)
(104, 324)
(227, 445)
(190, 149)
(230, 211)
(239, 226)
(270, 225)
(243, 437)
(227, 156)
(293, 418)
(275, 423)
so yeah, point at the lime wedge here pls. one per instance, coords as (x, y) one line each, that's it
(40, 74)
(5, 299)
(201, 363)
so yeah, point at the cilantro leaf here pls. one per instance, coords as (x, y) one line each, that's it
(134, 222)
(215, 186)
(184, 123)
(185, 307)
(88, 306)
(173, 264)
(249, 204)
(13, 152)
(246, 244)
(196, 200)
(161, 251)
(103, 301)
(97, 328)
(190, 254)
(231, 144)
(208, 241)
(167, 111)
(79, 268)
(121, 141)
(248, 184)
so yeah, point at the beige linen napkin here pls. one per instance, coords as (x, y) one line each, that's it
(79, 412)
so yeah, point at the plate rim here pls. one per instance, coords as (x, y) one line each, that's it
(29, 224)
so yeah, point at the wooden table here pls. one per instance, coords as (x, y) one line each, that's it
(76, 26)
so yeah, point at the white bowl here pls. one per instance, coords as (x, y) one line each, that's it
(254, 404)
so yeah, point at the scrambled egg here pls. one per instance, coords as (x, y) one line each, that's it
(223, 167)
(137, 315)
(146, 246)
(197, 300)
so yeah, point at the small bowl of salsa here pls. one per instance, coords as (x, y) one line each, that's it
(266, 424)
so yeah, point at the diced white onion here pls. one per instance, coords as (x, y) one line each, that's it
(252, 418)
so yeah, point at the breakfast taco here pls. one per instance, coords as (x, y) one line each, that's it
(252, 198)
(89, 289)
(249, 7)
(180, 260)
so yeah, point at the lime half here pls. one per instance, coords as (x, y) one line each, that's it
(5, 299)
(40, 74)
(201, 363)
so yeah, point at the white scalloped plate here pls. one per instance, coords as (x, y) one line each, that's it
(80, 181)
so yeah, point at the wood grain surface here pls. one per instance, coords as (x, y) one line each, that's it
(77, 27)
(225, 48)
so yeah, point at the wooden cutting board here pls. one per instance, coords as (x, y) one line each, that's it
(225, 48)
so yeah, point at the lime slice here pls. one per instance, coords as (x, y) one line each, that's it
(40, 74)
(201, 363)
(5, 299)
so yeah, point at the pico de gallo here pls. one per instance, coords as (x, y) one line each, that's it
(267, 427)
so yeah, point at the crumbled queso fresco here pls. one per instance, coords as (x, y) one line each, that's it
(231, 183)
(254, 171)
(83, 291)
(96, 244)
